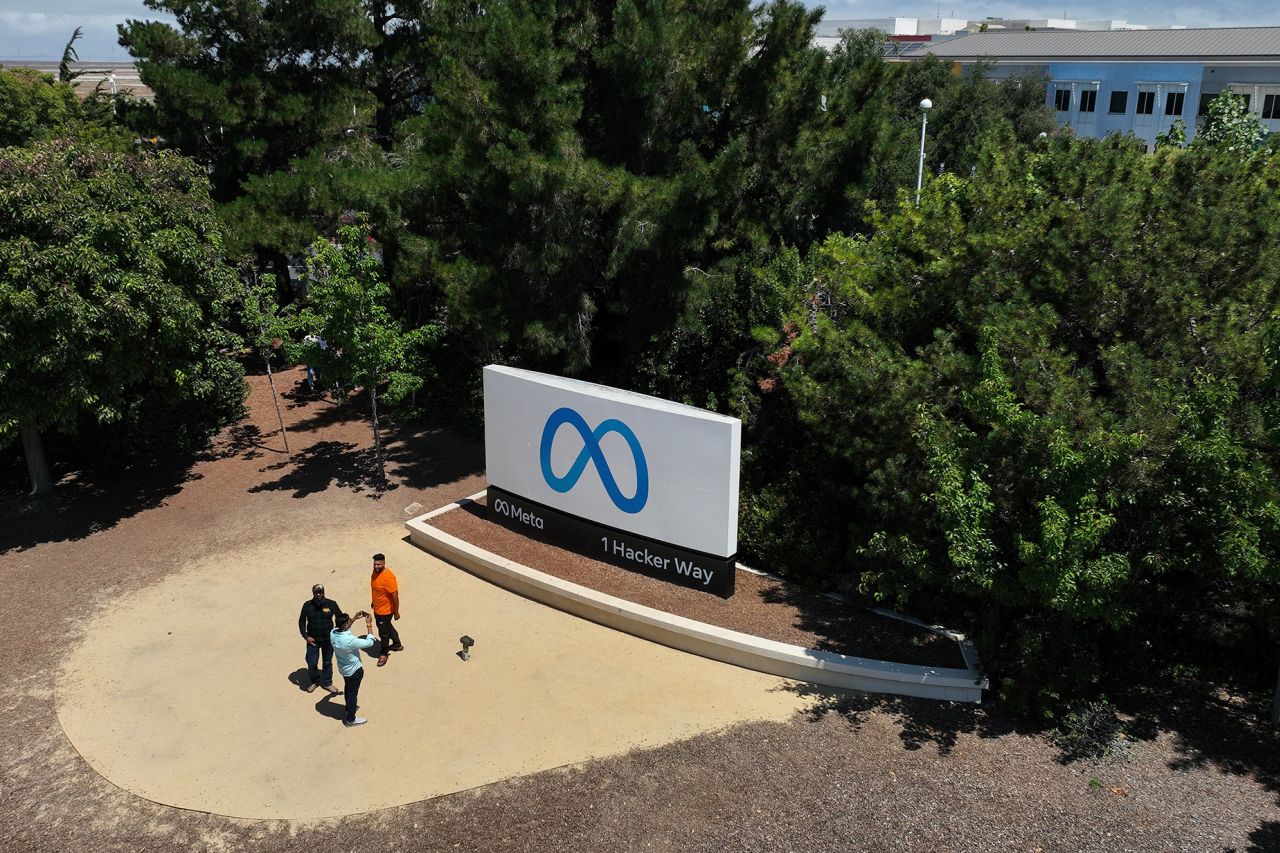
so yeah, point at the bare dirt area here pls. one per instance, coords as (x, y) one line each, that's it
(851, 773)
(760, 605)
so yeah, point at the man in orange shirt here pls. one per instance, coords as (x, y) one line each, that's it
(386, 606)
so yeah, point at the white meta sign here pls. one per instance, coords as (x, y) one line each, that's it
(655, 468)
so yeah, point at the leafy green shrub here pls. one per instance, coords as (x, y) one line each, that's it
(113, 298)
(1091, 731)
(1041, 406)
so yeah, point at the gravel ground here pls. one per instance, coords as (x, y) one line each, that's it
(760, 606)
(856, 773)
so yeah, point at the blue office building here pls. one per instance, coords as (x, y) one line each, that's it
(1132, 81)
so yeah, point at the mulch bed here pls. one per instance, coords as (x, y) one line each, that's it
(760, 606)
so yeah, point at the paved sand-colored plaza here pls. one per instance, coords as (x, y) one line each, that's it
(187, 692)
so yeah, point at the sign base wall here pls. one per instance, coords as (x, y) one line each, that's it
(618, 548)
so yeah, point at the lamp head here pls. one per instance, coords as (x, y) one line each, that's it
(926, 105)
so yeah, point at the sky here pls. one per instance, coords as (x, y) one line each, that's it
(32, 35)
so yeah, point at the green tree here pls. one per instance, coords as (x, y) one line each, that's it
(246, 87)
(33, 105)
(67, 74)
(1230, 124)
(347, 306)
(586, 162)
(570, 163)
(967, 109)
(573, 186)
(1023, 403)
(112, 297)
(1175, 137)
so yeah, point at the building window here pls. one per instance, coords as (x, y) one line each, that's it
(1089, 100)
(1203, 109)
(1271, 106)
(1146, 103)
(1173, 103)
(1119, 102)
(1062, 100)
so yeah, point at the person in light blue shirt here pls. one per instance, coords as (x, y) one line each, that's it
(346, 648)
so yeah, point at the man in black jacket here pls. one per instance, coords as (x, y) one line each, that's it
(314, 623)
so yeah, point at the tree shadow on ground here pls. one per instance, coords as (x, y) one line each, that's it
(325, 410)
(848, 628)
(1266, 838)
(327, 463)
(243, 440)
(922, 721)
(422, 456)
(290, 381)
(85, 500)
(417, 457)
(1217, 713)
(1223, 722)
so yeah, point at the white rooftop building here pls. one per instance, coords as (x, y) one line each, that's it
(922, 29)
(1058, 24)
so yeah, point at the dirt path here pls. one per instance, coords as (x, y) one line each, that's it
(853, 774)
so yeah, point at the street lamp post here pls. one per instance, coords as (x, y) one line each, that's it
(925, 106)
(111, 78)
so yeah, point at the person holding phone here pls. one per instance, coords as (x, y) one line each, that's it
(347, 648)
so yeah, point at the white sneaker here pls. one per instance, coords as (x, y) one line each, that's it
(358, 721)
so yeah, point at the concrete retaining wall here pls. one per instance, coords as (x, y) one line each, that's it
(745, 650)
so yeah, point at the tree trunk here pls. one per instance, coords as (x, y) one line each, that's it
(284, 285)
(384, 85)
(377, 435)
(1275, 705)
(37, 468)
(271, 380)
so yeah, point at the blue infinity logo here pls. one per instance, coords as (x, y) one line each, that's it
(591, 452)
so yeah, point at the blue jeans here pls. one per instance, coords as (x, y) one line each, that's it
(314, 654)
(351, 690)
